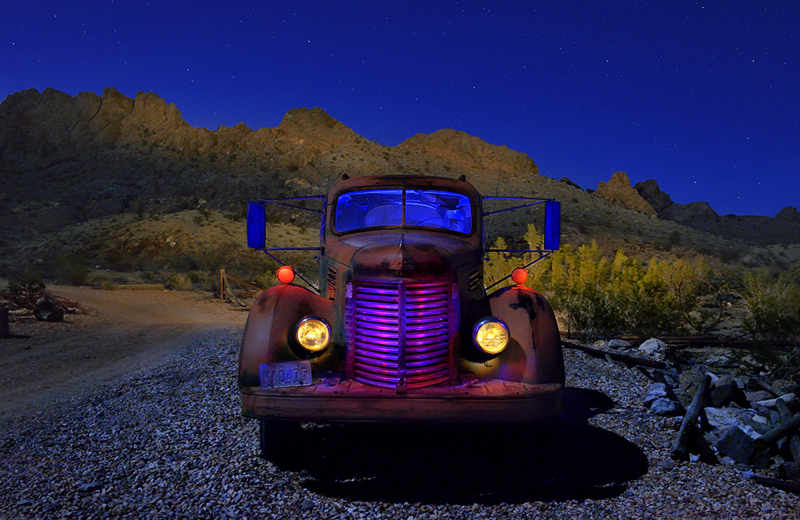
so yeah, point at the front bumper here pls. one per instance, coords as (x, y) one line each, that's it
(476, 402)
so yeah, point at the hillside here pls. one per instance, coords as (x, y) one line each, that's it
(78, 171)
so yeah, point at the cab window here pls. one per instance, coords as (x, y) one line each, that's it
(424, 208)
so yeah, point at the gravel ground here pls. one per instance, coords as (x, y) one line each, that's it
(168, 442)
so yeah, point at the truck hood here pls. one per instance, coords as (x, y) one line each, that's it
(405, 255)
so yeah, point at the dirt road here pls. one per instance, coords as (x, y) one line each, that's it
(125, 331)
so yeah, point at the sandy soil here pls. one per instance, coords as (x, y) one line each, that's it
(43, 363)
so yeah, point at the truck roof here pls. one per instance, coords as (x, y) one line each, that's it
(404, 181)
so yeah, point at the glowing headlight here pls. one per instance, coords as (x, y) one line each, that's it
(313, 333)
(490, 335)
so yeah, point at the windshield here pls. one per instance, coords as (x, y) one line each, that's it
(384, 207)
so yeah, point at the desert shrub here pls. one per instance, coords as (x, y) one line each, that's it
(774, 306)
(179, 282)
(601, 297)
(30, 282)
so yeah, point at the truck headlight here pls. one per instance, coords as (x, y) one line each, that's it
(490, 335)
(313, 333)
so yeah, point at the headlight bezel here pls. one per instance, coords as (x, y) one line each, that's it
(490, 322)
(310, 321)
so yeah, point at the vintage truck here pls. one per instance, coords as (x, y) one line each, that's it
(401, 327)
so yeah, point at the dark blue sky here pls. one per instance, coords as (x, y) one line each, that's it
(704, 97)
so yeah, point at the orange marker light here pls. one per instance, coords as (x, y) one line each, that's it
(519, 275)
(285, 274)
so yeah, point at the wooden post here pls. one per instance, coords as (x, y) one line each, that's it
(680, 450)
(4, 333)
(222, 284)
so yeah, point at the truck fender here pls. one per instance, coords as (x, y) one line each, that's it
(269, 333)
(535, 343)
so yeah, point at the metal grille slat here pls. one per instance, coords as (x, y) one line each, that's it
(401, 334)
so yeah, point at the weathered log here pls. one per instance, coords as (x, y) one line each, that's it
(680, 450)
(766, 386)
(794, 448)
(781, 431)
(627, 360)
(785, 485)
(783, 409)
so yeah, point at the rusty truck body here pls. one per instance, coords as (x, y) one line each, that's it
(402, 328)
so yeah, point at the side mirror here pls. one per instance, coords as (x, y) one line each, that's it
(552, 225)
(256, 225)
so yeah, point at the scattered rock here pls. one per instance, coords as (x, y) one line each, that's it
(91, 486)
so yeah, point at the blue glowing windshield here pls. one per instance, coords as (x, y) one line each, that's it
(384, 207)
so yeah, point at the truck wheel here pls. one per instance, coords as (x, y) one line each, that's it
(275, 437)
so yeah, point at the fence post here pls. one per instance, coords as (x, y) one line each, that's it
(4, 333)
(222, 284)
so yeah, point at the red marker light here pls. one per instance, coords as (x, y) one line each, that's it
(519, 275)
(285, 274)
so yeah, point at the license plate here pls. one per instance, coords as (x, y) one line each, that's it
(282, 375)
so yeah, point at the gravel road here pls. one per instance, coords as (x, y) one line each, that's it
(168, 442)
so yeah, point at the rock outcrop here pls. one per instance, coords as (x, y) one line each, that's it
(462, 149)
(618, 190)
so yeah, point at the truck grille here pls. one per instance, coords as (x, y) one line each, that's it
(391, 351)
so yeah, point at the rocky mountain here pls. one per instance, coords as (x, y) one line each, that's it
(119, 154)
(68, 162)
(783, 228)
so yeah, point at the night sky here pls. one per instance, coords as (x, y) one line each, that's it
(704, 97)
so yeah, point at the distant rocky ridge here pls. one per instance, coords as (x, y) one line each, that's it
(782, 228)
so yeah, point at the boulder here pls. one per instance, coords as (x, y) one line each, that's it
(725, 418)
(738, 443)
(725, 390)
(666, 407)
(619, 343)
(655, 391)
(758, 395)
(47, 309)
(653, 348)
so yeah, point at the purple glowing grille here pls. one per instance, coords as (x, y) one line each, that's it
(396, 352)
